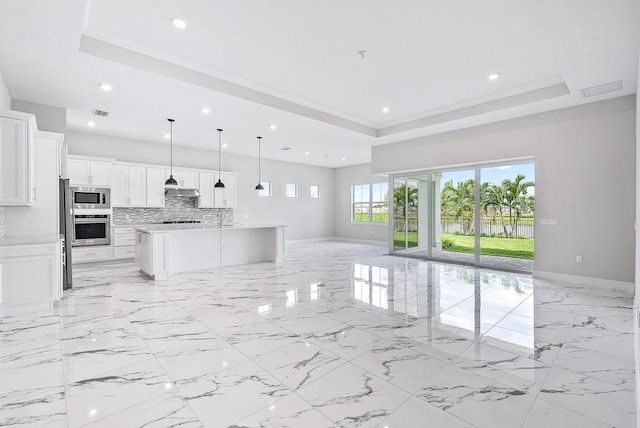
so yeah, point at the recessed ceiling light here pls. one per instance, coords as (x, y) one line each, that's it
(307, 153)
(273, 126)
(385, 109)
(106, 87)
(494, 76)
(344, 159)
(91, 124)
(205, 110)
(224, 145)
(179, 22)
(167, 136)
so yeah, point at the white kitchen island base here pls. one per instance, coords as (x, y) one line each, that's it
(166, 249)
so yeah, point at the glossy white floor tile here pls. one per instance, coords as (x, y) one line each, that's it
(340, 335)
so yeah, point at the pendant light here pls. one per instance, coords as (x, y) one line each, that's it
(219, 184)
(171, 181)
(259, 186)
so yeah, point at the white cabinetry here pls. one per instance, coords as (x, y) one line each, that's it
(207, 181)
(225, 197)
(84, 171)
(124, 242)
(215, 197)
(91, 254)
(31, 276)
(129, 186)
(155, 187)
(185, 178)
(17, 170)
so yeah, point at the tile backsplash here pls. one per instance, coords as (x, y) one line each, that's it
(176, 208)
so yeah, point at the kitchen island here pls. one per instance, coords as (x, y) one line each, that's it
(162, 250)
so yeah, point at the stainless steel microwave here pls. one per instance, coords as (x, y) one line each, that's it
(91, 197)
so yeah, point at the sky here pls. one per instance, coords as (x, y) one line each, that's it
(494, 174)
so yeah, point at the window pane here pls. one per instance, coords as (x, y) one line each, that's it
(361, 193)
(292, 190)
(380, 202)
(361, 212)
(315, 191)
(267, 189)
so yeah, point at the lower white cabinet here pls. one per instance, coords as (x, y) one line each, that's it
(96, 253)
(124, 242)
(30, 275)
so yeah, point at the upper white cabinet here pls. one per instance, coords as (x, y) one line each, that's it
(155, 187)
(17, 172)
(128, 187)
(185, 178)
(84, 171)
(225, 197)
(207, 180)
(215, 197)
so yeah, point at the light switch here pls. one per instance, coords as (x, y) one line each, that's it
(548, 222)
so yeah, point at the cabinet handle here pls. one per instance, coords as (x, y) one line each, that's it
(182, 182)
(90, 179)
(131, 240)
(35, 193)
(90, 254)
(129, 200)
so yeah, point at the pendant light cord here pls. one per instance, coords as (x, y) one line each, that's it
(259, 159)
(171, 132)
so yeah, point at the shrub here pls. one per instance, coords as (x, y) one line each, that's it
(447, 243)
(522, 237)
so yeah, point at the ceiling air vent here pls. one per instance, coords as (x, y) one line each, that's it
(601, 89)
(100, 113)
(284, 149)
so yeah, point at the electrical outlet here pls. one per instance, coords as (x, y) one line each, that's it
(578, 259)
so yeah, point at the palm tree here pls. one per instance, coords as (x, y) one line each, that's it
(401, 195)
(493, 197)
(459, 201)
(516, 199)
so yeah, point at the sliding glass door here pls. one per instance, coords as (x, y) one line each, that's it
(446, 215)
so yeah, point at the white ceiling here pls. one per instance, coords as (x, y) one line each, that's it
(296, 64)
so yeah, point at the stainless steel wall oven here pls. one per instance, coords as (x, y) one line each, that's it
(91, 229)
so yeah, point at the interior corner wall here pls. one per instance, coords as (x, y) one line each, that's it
(305, 218)
(345, 178)
(5, 98)
(48, 118)
(585, 178)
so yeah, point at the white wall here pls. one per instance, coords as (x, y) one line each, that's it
(343, 227)
(306, 218)
(585, 178)
(48, 118)
(5, 99)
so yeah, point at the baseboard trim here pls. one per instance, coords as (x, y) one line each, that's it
(362, 241)
(585, 280)
(340, 239)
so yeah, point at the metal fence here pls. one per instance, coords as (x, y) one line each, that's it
(523, 227)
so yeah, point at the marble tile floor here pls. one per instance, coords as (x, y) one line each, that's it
(340, 335)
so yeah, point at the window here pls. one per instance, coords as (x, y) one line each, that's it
(292, 190)
(315, 191)
(267, 189)
(370, 202)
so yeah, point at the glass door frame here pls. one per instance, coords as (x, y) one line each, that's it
(477, 167)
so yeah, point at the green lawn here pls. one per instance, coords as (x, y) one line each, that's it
(377, 217)
(521, 248)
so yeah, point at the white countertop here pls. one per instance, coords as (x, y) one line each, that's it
(30, 240)
(200, 226)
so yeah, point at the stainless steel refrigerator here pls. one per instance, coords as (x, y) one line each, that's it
(66, 230)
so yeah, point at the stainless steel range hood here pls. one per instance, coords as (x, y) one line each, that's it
(181, 192)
